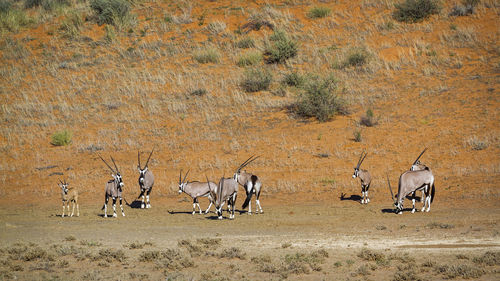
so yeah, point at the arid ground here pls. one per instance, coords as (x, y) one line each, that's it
(210, 83)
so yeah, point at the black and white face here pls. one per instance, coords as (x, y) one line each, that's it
(64, 188)
(118, 178)
(236, 175)
(142, 173)
(181, 187)
(356, 171)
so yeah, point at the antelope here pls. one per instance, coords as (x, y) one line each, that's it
(196, 189)
(411, 181)
(113, 189)
(69, 195)
(227, 189)
(416, 166)
(365, 178)
(146, 180)
(251, 183)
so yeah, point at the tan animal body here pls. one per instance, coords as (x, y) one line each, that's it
(69, 195)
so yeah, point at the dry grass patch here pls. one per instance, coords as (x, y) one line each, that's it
(208, 55)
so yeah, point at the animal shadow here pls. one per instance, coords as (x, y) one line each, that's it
(353, 197)
(179, 212)
(136, 204)
(393, 210)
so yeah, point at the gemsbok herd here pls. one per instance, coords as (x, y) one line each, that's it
(418, 178)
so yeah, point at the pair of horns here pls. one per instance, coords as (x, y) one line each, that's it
(361, 159)
(248, 161)
(390, 189)
(116, 167)
(63, 183)
(419, 156)
(180, 176)
(139, 159)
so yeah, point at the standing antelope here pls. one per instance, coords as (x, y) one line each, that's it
(113, 189)
(416, 166)
(251, 183)
(365, 178)
(227, 189)
(146, 180)
(196, 189)
(69, 195)
(411, 181)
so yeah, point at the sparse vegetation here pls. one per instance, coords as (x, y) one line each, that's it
(355, 58)
(232, 253)
(368, 119)
(72, 25)
(12, 18)
(279, 48)
(245, 43)
(115, 12)
(415, 10)
(466, 8)
(489, 258)
(249, 59)
(294, 79)
(208, 55)
(256, 79)
(70, 238)
(476, 143)
(319, 12)
(319, 99)
(460, 270)
(61, 138)
(111, 255)
(357, 136)
(434, 225)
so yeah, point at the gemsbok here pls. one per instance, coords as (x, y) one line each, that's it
(146, 180)
(365, 178)
(196, 189)
(113, 189)
(416, 166)
(411, 181)
(251, 183)
(69, 195)
(227, 189)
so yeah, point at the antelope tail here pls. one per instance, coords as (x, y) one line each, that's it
(247, 200)
(433, 191)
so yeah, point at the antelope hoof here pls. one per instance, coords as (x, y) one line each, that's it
(142, 206)
(428, 210)
(400, 212)
(71, 215)
(367, 200)
(249, 213)
(413, 211)
(123, 214)
(114, 215)
(220, 217)
(105, 216)
(148, 206)
(62, 216)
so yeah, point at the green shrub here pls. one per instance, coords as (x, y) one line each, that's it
(318, 12)
(72, 25)
(318, 99)
(279, 48)
(415, 10)
(61, 138)
(114, 12)
(11, 18)
(256, 79)
(210, 55)
(357, 136)
(357, 57)
(47, 5)
(245, 43)
(369, 119)
(250, 58)
(294, 79)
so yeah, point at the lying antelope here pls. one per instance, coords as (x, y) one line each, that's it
(251, 183)
(146, 180)
(113, 189)
(365, 178)
(69, 195)
(196, 189)
(227, 189)
(411, 181)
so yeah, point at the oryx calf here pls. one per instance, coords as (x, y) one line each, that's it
(365, 178)
(411, 181)
(227, 189)
(146, 180)
(113, 189)
(196, 190)
(69, 195)
(251, 183)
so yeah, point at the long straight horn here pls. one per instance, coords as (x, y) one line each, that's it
(389, 182)
(359, 160)
(117, 170)
(362, 159)
(180, 177)
(61, 181)
(149, 157)
(419, 157)
(139, 159)
(244, 163)
(106, 163)
(185, 176)
(249, 160)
